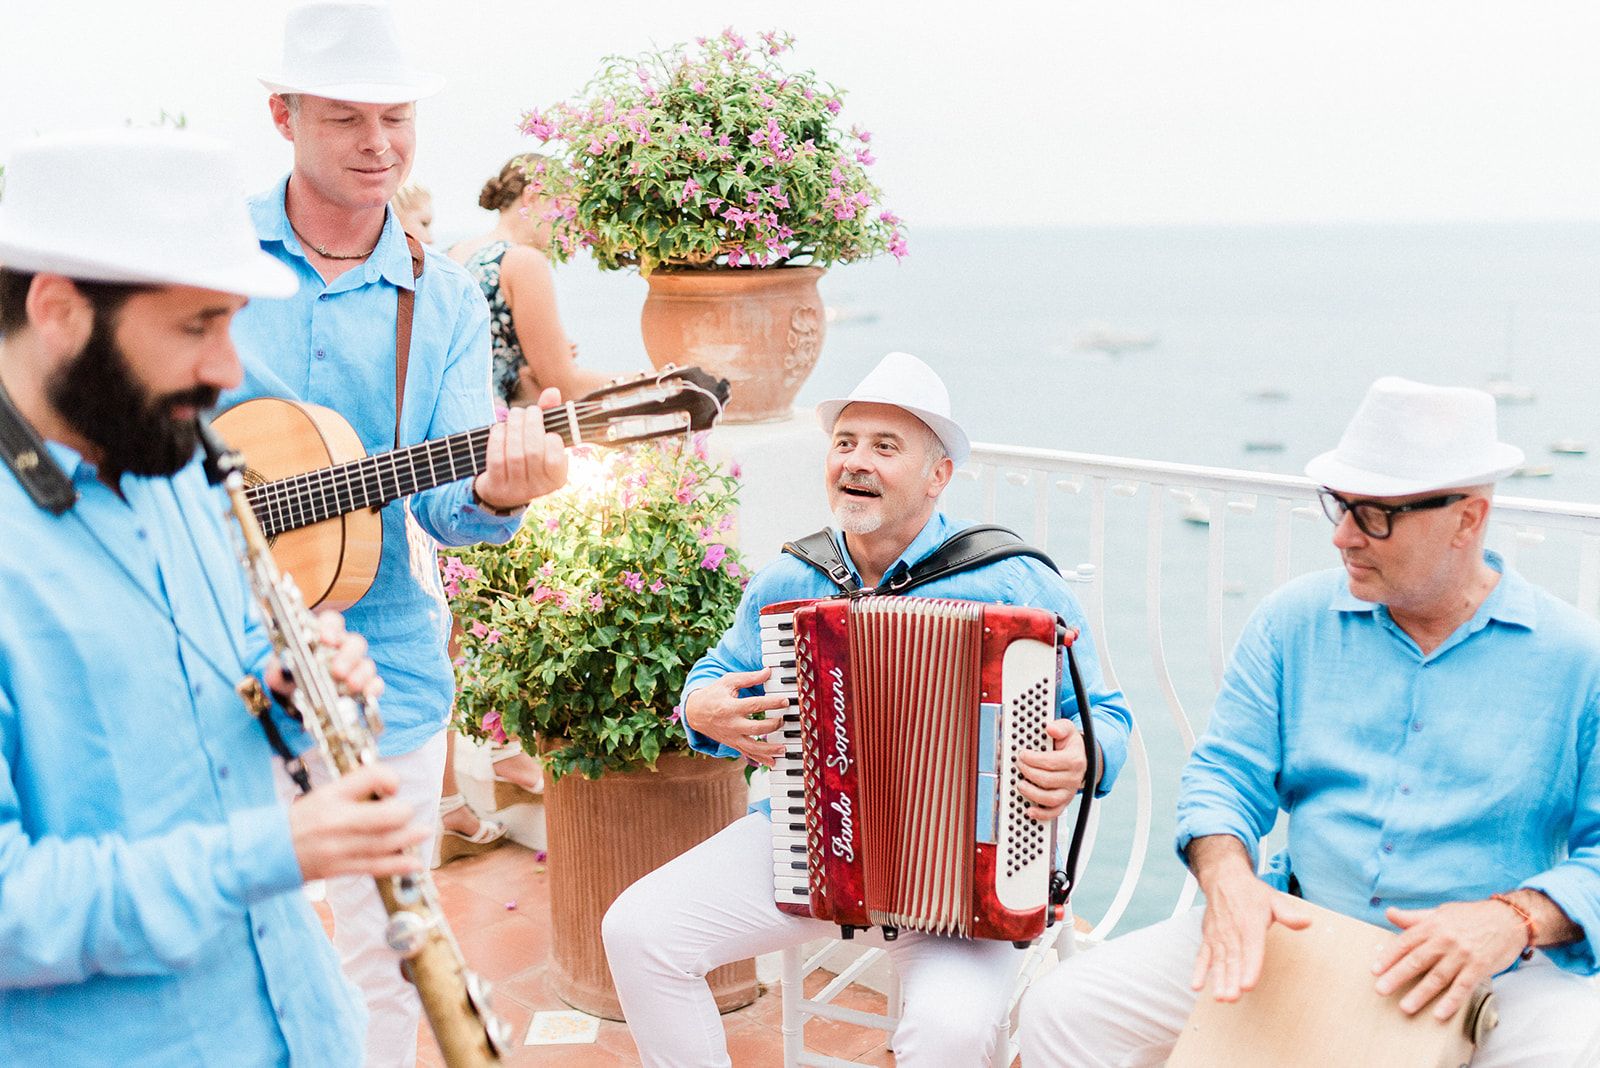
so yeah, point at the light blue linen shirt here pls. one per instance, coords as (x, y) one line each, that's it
(150, 904)
(333, 344)
(1015, 581)
(1411, 780)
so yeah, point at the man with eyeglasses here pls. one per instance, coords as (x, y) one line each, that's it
(1430, 721)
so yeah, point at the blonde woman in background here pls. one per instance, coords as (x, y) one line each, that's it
(531, 350)
(414, 206)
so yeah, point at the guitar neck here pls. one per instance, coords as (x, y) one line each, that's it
(374, 481)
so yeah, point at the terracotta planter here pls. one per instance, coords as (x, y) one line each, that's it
(761, 329)
(606, 833)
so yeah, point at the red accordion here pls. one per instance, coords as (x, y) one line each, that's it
(895, 803)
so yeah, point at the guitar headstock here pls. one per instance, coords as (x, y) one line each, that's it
(672, 400)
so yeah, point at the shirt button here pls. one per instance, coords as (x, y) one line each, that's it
(1416, 727)
(1375, 902)
(1406, 790)
(222, 772)
(321, 354)
(261, 928)
(1388, 847)
(322, 296)
(144, 535)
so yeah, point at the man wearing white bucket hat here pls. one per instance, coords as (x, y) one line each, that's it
(362, 319)
(150, 911)
(893, 450)
(1430, 721)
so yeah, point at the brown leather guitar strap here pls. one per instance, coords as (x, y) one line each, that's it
(406, 310)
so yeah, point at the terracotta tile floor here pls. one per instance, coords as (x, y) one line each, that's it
(510, 946)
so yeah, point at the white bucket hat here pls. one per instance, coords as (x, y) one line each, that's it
(906, 382)
(348, 50)
(1408, 437)
(135, 206)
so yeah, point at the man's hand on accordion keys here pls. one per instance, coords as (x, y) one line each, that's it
(717, 711)
(1050, 780)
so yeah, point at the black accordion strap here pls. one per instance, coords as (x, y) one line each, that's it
(1066, 880)
(965, 550)
(821, 552)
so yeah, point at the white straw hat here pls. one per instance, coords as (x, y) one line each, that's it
(1408, 437)
(906, 382)
(135, 206)
(348, 50)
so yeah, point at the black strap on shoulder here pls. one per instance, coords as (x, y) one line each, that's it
(821, 552)
(965, 550)
(28, 459)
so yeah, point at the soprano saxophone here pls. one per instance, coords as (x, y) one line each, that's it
(344, 727)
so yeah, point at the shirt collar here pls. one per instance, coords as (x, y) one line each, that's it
(1511, 601)
(930, 537)
(390, 260)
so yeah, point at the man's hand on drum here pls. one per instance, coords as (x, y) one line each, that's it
(717, 711)
(1051, 778)
(522, 460)
(1239, 909)
(1453, 947)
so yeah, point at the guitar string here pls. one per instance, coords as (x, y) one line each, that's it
(326, 482)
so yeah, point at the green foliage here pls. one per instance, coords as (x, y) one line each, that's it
(583, 628)
(715, 157)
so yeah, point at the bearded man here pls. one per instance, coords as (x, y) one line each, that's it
(150, 904)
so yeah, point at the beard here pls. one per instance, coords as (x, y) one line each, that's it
(859, 517)
(99, 397)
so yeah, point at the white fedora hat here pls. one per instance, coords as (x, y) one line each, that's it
(348, 50)
(906, 382)
(159, 207)
(1408, 437)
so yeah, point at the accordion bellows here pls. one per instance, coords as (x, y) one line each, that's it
(895, 802)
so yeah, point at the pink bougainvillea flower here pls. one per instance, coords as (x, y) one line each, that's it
(633, 580)
(596, 601)
(736, 470)
(552, 523)
(547, 569)
(713, 557)
(493, 637)
(479, 629)
(657, 586)
(543, 593)
(494, 728)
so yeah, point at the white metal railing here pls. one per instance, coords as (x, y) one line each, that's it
(1111, 524)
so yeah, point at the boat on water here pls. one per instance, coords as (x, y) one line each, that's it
(1263, 445)
(1268, 393)
(1114, 342)
(1569, 447)
(1533, 471)
(845, 314)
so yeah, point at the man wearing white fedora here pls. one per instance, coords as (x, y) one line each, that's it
(893, 450)
(1430, 721)
(362, 320)
(150, 911)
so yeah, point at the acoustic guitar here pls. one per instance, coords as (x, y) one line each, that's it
(317, 494)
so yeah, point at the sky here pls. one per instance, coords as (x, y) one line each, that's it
(1113, 112)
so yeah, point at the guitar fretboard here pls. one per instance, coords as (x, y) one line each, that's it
(370, 482)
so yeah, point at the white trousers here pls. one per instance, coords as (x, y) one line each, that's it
(714, 904)
(1123, 1005)
(359, 918)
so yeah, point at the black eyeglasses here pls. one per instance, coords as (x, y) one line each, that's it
(1377, 520)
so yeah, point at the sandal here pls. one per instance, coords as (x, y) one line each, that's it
(508, 792)
(453, 844)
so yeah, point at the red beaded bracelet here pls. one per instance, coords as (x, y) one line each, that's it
(1527, 921)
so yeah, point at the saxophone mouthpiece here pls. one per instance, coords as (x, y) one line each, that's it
(221, 461)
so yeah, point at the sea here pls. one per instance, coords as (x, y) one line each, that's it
(1237, 347)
